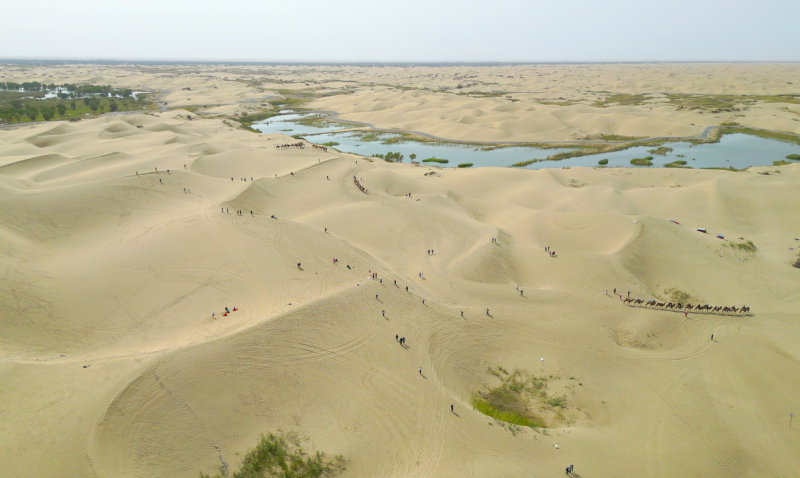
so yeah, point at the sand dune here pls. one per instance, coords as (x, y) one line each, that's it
(113, 365)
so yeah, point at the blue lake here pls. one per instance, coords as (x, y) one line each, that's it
(735, 150)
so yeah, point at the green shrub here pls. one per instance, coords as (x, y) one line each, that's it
(282, 456)
(435, 160)
(642, 161)
(465, 165)
(602, 161)
(742, 245)
(796, 157)
(780, 163)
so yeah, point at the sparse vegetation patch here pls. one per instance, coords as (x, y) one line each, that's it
(282, 455)
(521, 399)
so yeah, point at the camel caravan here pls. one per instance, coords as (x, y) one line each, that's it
(688, 307)
(358, 184)
(300, 145)
(320, 147)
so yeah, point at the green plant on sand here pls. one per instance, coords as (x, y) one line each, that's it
(282, 455)
(465, 165)
(796, 157)
(435, 160)
(602, 162)
(514, 399)
(742, 245)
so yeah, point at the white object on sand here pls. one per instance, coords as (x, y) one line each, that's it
(542, 359)
(556, 447)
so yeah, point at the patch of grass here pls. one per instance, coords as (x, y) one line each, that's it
(642, 161)
(282, 455)
(330, 143)
(602, 162)
(661, 151)
(487, 409)
(676, 295)
(619, 137)
(716, 103)
(621, 99)
(742, 245)
(435, 160)
(795, 157)
(465, 165)
(514, 399)
(781, 163)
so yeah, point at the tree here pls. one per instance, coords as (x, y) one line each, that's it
(62, 110)
(31, 112)
(47, 113)
(94, 104)
(112, 105)
(16, 104)
(412, 156)
(72, 105)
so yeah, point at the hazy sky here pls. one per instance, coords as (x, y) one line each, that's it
(429, 30)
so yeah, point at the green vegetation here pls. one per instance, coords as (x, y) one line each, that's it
(319, 122)
(330, 143)
(661, 150)
(513, 400)
(677, 164)
(619, 137)
(412, 156)
(282, 456)
(487, 409)
(389, 157)
(720, 103)
(465, 165)
(72, 101)
(602, 162)
(742, 245)
(435, 160)
(621, 99)
(642, 161)
(482, 94)
(795, 157)
(247, 120)
(781, 163)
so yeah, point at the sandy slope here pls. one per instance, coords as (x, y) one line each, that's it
(112, 365)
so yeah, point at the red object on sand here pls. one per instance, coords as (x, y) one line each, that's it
(225, 314)
(235, 309)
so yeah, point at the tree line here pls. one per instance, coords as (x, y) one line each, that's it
(16, 110)
(69, 90)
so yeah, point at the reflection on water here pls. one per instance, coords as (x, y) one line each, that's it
(735, 150)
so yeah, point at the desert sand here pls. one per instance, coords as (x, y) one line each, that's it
(113, 366)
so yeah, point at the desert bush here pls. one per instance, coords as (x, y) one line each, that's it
(282, 455)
